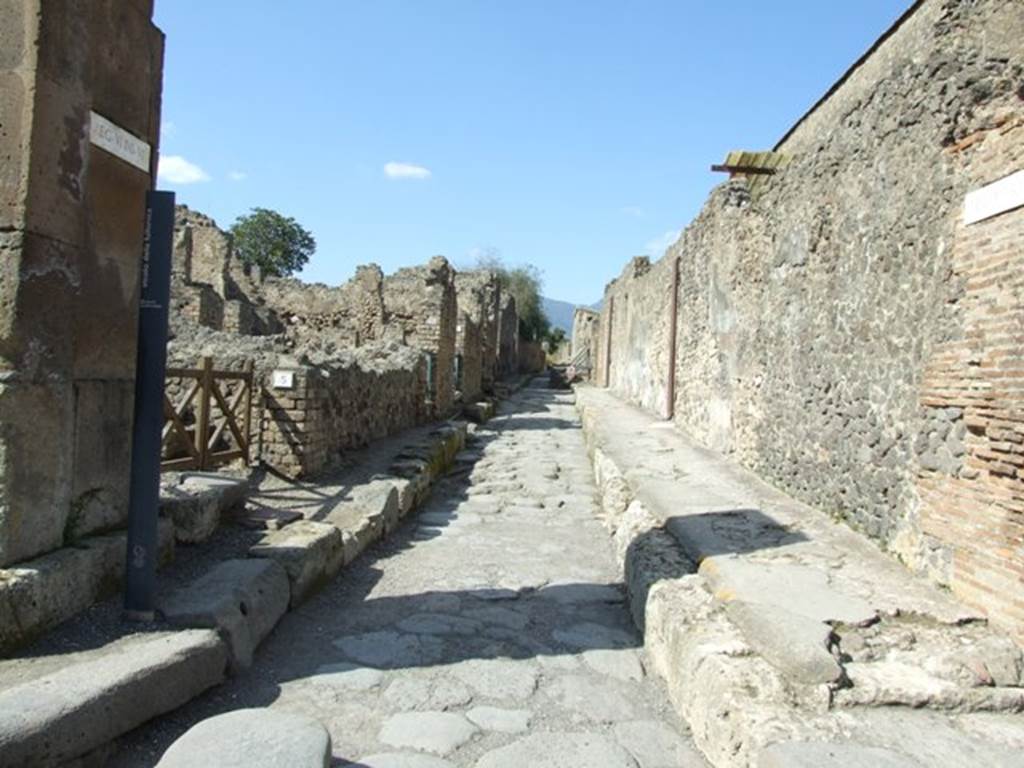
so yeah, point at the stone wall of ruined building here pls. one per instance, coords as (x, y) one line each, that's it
(420, 310)
(586, 334)
(837, 323)
(353, 311)
(508, 337)
(338, 400)
(210, 286)
(468, 359)
(532, 357)
(478, 295)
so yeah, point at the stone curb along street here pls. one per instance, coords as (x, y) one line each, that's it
(50, 717)
(785, 638)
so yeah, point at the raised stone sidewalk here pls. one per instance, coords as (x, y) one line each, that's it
(785, 638)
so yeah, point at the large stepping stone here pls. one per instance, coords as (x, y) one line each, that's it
(252, 738)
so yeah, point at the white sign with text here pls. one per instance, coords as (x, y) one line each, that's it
(118, 142)
(995, 198)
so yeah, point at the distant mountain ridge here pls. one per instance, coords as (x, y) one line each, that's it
(559, 313)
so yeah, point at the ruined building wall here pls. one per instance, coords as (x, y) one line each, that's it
(469, 359)
(210, 286)
(71, 227)
(585, 333)
(532, 357)
(842, 331)
(508, 337)
(421, 311)
(340, 405)
(353, 311)
(340, 400)
(478, 295)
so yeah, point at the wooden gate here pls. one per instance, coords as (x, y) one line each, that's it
(204, 424)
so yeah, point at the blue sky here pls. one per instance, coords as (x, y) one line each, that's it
(570, 134)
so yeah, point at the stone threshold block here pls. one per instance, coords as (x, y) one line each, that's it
(311, 554)
(242, 599)
(39, 594)
(196, 502)
(252, 738)
(55, 718)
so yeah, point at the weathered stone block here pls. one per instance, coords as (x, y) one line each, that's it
(311, 553)
(243, 599)
(66, 714)
(35, 468)
(102, 456)
(38, 594)
(197, 504)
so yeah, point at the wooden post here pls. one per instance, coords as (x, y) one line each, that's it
(673, 308)
(203, 422)
(608, 344)
(249, 383)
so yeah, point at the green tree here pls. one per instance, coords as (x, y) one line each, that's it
(277, 244)
(524, 283)
(555, 337)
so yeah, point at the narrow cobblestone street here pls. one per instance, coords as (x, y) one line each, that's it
(490, 630)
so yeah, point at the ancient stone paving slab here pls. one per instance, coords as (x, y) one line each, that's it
(491, 630)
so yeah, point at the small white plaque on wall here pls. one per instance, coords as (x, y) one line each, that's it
(118, 142)
(995, 198)
(283, 379)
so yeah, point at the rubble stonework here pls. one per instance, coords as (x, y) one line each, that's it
(421, 312)
(369, 357)
(478, 294)
(468, 359)
(585, 336)
(71, 229)
(508, 336)
(840, 329)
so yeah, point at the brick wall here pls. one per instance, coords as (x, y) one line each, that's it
(971, 476)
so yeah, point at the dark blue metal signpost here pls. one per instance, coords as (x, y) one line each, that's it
(150, 367)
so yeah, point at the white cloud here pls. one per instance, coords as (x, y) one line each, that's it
(238, 175)
(175, 169)
(168, 129)
(395, 170)
(634, 210)
(657, 247)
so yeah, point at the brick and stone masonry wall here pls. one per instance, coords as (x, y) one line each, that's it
(532, 357)
(341, 405)
(71, 221)
(337, 402)
(421, 309)
(508, 337)
(839, 329)
(478, 295)
(585, 334)
(469, 359)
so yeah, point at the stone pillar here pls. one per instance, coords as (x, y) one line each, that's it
(71, 219)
